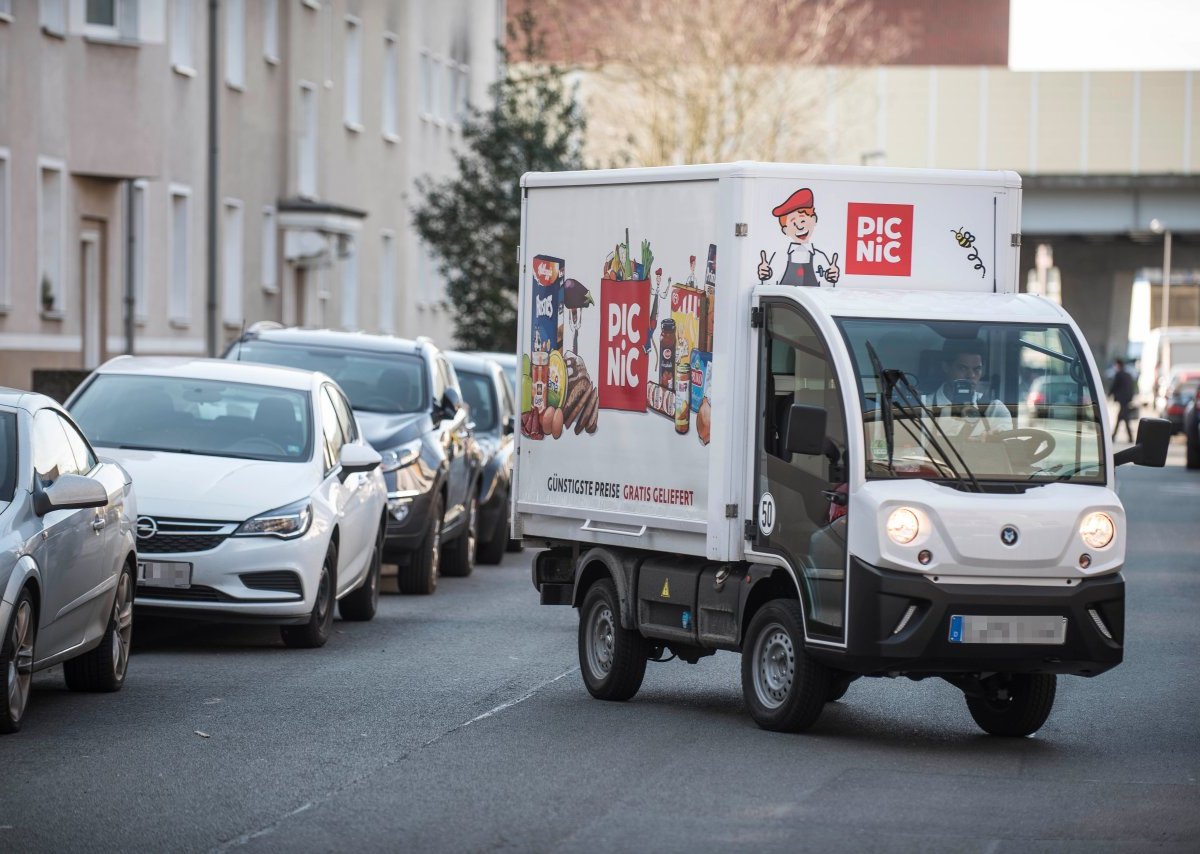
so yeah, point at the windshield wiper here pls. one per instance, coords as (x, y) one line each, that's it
(896, 378)
(1071, 471)
(156, 448)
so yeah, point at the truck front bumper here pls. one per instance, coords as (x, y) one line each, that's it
(881, 598)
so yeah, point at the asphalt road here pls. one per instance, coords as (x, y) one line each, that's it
(459, 722)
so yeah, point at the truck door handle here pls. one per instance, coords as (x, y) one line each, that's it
(98, 525)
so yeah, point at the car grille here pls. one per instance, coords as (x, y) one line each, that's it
(156, 535)
(195, 593)
(282, 581)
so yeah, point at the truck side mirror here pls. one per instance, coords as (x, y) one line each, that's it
(1153, 438)
(806, 430)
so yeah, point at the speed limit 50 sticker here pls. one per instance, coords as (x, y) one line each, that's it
(766, 514)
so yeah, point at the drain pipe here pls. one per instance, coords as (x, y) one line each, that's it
(211, 200)
(130, 255)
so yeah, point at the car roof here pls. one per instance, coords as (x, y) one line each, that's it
(501, 358)
(345, 340)
(29, 401)
(211, 369)
(480, 363)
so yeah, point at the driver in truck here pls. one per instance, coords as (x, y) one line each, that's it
(959, 402)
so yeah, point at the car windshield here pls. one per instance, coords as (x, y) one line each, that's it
(973, 403)
(480, 394)
(8, 455)
(374, 381)
(191, 416)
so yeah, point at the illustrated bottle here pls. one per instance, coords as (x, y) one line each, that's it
(683, 393)
(666, 354)
(710, 292)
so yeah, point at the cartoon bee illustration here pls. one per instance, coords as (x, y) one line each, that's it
(965, 238)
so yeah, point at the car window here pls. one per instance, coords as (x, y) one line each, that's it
(479, 392)
(8, 455)
(508, 408)
(331, 431)
(345, 417)
(52, 454)
(84, 458)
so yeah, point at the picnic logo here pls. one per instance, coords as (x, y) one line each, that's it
(879, 239)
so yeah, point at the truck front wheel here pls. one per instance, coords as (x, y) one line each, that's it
(784, 689)
(612, 659)
(1018, 706)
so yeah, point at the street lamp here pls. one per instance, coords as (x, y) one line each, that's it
(1158, 227)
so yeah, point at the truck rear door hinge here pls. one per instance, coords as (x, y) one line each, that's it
(756, 317)
(749, 529)
(1015, 240)
(740, 229)
(731, 511)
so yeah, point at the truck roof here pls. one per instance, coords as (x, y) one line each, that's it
(929, 305)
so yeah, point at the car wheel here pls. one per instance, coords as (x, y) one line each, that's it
(360, 605)
(1023, 708)
(16, 662)
(315, 632)
(492, 551)
(784, 689)
(420, 574)
(460, 554)
(612, 659)
(103, 668)
(1193, 450)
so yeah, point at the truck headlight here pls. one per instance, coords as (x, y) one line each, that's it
(286, 522)
(1097, 530)
(401, 455)
(903, 526)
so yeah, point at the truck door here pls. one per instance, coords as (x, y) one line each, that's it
(799, 503)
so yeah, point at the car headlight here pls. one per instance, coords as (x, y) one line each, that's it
(401, 455)
(286, 522)
(1097, 530)
(903, 526)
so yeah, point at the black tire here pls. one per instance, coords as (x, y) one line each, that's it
(612, 659)
(420, 574)
(1193, 453)
(103, 669)
(784, 689)
(360, 605)
(460, 554)
(16, 662)
(492, 550)
(315, 632)
(1028, 704)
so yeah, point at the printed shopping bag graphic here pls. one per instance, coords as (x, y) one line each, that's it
(624, 307)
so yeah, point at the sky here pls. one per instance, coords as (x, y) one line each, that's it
(1095, 35)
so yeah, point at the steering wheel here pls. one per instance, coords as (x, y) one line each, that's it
(1034, 444)
(252, 444)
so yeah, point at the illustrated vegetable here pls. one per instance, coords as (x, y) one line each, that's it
(576, 295)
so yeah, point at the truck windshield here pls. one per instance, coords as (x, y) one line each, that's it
(979, 405)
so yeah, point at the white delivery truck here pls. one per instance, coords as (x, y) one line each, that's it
(801, 412)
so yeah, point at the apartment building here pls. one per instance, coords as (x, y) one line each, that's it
(327, 113)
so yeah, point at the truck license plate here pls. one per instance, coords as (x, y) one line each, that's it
(158, 573)
(1000, 629)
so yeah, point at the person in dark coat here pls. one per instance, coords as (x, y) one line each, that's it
(1121, 391)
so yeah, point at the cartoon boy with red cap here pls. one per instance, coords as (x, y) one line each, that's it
(806, 265)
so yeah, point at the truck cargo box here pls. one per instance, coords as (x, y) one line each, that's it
(635, 319)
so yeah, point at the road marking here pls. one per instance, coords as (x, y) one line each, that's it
(245, 838)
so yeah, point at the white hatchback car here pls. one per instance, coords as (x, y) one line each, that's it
(260, 501)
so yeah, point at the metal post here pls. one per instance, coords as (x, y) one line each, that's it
(211, 200)
(130, 255)
(1166, 286)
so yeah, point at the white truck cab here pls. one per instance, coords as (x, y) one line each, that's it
(854, 451)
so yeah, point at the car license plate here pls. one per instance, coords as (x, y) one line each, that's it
(160, 573)
(1001, 629)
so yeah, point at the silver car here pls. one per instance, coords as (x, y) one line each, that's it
(67, 556)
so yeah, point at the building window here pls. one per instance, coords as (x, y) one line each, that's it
(235, 43)
(387, 283)
(52, 15)
(231, 264)
(113, 19)
(306, 155)
(5, 10)
(180, 295)
(51, 211)
(391, 88)
(5, 234)
(181, 35)
(137, 222)
(270, 251)
(353, 74)
(462, 102)
(271, 30)
(349, 283)
(427, 85)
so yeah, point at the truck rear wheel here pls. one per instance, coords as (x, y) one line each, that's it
(784, 689)
(1021, 706)
(612, 659)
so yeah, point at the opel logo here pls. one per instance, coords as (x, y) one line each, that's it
(146, 527)
(1008, 535)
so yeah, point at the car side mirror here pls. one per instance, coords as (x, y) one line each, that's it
(451, 402)
(1150, 449)
(358, 458)
(805, 429)
(69, 492)
(510, 425)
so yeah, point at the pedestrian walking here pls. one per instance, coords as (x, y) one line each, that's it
(1121, 391)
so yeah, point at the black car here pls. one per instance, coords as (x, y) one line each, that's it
(409, 405)
(489, 396)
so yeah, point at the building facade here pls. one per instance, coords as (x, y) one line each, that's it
(327, 113)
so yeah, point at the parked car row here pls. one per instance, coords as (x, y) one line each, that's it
(267, 487)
